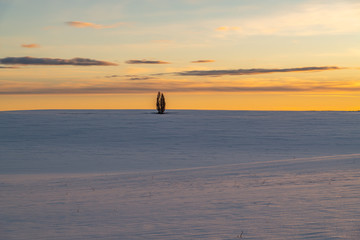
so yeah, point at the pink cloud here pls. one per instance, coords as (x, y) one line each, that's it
(79, 24)
(32, 45)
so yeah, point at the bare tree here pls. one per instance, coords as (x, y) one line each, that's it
(160, 103)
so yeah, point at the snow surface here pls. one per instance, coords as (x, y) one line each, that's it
(132, 174)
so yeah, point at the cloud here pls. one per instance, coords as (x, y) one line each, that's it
(183, 87)
(32, 45)
(163, 42)
(141, 78)
(203, 61)
(251, 71)
(113, 76)
(12, 67)
(131, 77)
(227, 28)
(79, 24)
(329, 17)
(143, 61)
(54, 61)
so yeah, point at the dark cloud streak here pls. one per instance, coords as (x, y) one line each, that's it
(131, 77)
(54, 61)
(113, 76)
(203, 61)
(141, 78)
(2, 67)
(251, 71)
(146, 62)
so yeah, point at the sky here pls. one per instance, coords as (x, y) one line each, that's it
(203, 54)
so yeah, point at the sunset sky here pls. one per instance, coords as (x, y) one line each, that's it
(203, 54)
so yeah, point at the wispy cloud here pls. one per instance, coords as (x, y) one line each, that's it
(153, 86)
(54, 61)
(132, 77)
(251, 71)
(140, 78)
(113, 76)
(203, 61)
(163, 42)
(227, 28)
(144, 61)
(32, 45)
(3, 67)
(334, 17)
(79, 24)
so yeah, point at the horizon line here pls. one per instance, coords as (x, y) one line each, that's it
(172, 110)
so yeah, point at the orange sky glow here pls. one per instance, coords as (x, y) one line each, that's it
(226, 55)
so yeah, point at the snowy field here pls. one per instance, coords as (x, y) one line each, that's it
(132, 174)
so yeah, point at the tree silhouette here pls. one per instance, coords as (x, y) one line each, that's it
(160, 103)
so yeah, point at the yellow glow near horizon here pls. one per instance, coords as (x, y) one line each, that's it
(204, 101)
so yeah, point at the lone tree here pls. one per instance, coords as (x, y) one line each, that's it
(160, 103)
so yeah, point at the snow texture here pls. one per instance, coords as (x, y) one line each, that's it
(133, 174)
